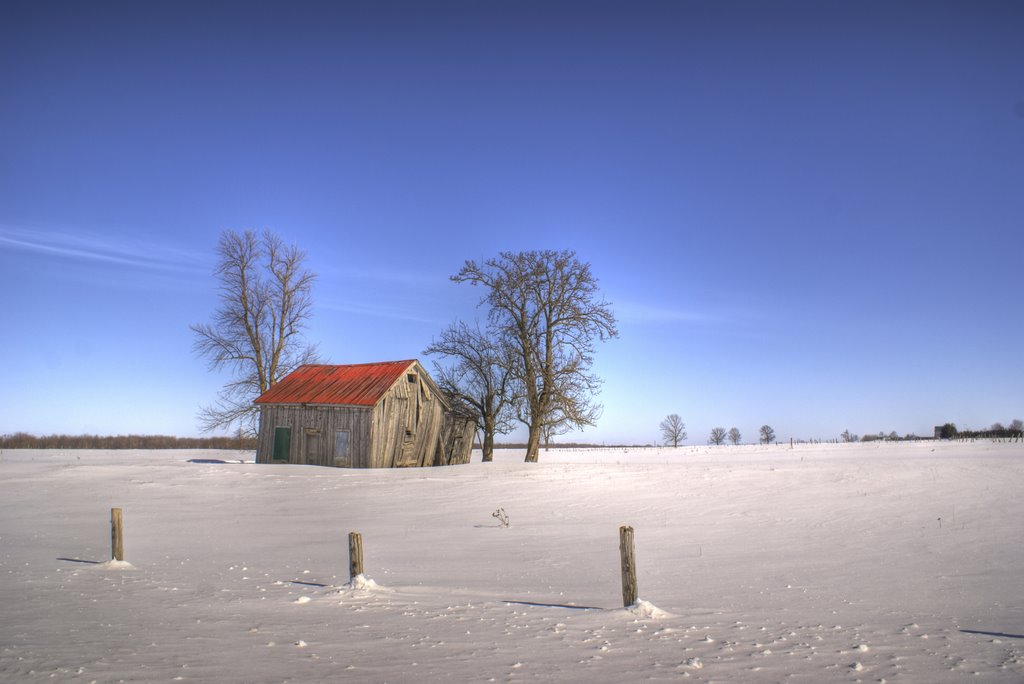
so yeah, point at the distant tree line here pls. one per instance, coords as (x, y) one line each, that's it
(567, 445)
(882, 437)
(23, 440)
(997, 431)
(1013, 432)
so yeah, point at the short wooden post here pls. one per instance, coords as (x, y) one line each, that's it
(116, 534)
(628, 553)
(355, 554)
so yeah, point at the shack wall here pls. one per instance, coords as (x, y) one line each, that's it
(455, 443)
(314, 434)
(407, 422)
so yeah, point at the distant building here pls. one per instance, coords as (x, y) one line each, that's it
(372, 415)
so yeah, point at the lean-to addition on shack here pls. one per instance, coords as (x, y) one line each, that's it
(370, 415)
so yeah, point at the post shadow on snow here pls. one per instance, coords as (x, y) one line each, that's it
(1002, 635)
(536, 604)
(79, 560)
(214, 461)
(306, 584)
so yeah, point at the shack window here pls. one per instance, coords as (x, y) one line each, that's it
(341, 456)
(411, 377)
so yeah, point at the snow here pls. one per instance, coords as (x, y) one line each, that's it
(115, 565)
(646, 609)
(864, 562)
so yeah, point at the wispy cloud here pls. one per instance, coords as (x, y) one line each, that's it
(399, 276)
(377, 311)
(84, 247)
(636, 312)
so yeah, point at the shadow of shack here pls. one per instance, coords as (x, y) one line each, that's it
(371, 415)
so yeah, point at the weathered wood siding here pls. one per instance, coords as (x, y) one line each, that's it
(314, 431)
(407, 422)
(455, 443)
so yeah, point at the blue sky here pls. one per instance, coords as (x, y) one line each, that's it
(805, 214)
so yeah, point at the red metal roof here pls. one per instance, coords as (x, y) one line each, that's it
(360, 385)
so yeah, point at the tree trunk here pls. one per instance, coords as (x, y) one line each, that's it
(533, 444)
(488, 441)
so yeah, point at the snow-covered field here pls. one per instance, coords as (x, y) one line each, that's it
(864, 562)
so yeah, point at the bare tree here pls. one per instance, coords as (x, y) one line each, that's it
(848, 436)
(477, 375)
(256, 333)
(1016, 425)
(767, 434)
(673, 429)
(549, 431)
(547, 305)
(717, 435)
(734, 436)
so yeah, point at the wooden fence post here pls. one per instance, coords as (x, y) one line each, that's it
(116, 534)
(355, 554)
(628, 553)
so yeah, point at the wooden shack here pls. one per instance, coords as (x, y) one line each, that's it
(371, 415)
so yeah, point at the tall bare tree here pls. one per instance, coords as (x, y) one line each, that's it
(256, 333)
(717, 435)
(767, 434)
(673, 429)
(477, 374)
(547, 305)
(734, 436)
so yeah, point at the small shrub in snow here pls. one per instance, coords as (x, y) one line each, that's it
(502, 516)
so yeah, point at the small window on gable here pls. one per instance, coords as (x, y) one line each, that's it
(411, 377)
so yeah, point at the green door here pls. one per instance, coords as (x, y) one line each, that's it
(282, 443)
